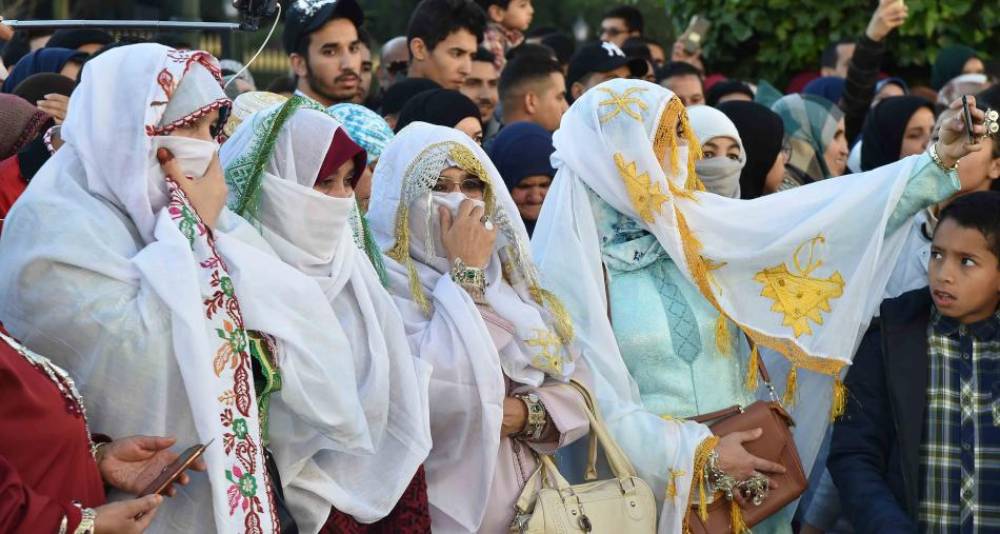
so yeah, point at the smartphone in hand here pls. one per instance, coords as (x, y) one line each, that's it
(695, 34)
(176, 468)
(967, 115)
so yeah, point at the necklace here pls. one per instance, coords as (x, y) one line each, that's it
(62, 380)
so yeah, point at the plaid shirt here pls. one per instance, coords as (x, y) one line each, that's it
(960, 453)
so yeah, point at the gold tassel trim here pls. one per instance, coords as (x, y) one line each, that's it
(698, 481)
(400, 252)
(723, 337)
(739, 526)
(753, 369)
(672, 485)
(666, 134)
(791, 386)
(838, 404)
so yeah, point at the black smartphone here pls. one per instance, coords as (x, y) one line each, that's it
(173, 471)
(967, 114)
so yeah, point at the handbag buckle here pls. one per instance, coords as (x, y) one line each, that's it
(521, 522)
(584, 522)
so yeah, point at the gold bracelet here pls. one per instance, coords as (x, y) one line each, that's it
(936, 158)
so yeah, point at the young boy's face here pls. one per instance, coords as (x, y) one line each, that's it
(518, 15)
(964, 274)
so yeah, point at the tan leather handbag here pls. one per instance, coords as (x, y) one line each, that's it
(775, 444)
(623, 505)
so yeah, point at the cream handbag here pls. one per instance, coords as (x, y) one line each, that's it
(623, 505)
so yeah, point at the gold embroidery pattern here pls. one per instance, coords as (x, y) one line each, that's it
(549, 345)
(622, 103)
(701, 273)
(798, 295)
(647, 197)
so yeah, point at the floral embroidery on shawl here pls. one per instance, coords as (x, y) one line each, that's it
(233, 366)
(169, 79)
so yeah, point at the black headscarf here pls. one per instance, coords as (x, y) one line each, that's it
(443, 107)
(41, 60)
(402, 91)
(36, 86)
(727, 87)
(762, 132)
(882, 136)
(75, 38)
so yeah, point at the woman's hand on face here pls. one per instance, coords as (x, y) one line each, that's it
(736, 462)
(465, 236)
(126, 517)
(207, 193)
(55, 105)
(953, 140)
(515, 415)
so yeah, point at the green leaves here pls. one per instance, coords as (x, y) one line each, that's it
(774, 39)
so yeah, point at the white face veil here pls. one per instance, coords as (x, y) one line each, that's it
(139, 299)
(446, 327)
(799, 272)
(311, 232)
(720, 174)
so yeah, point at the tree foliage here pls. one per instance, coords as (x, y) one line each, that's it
(773, 39)
(769, 39)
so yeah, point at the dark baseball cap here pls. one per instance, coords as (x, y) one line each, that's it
(602, 57)
(307, 16)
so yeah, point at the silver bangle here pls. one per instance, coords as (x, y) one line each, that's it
(936, 158)
(718, 479)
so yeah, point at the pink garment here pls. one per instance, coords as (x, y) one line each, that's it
(567, 423)
(498, 40)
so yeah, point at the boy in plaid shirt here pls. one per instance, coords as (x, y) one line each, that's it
(919, 446)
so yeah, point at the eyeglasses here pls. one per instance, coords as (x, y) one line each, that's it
(612, 32)
(468, 186)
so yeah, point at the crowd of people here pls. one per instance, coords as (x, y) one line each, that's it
(396, 290)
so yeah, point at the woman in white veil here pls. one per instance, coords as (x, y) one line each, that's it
(666, 283)
(290, 169)
(501, 346)
(128, 276)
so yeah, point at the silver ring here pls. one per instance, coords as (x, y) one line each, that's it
(487, 223)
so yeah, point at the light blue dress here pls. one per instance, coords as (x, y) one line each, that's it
(665, 328)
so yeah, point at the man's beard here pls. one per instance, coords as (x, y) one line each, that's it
(326, 91)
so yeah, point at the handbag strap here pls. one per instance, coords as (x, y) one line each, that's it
(547, 471)
(619, 463)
